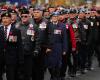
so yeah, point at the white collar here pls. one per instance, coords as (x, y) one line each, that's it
(8, 27)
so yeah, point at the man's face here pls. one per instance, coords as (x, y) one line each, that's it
(6, 21)
(25, 18)
(93, 13)
(31, 11)
(13, 17)
(51, 10)
(54, 18)
(87, 14)
(72, 15)
(61, 17)
(46, 14)
(81, 15)
(67, 16)
(37, 14)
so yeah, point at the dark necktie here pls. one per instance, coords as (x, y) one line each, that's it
(5, 33)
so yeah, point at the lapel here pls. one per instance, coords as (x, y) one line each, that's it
(2, 31)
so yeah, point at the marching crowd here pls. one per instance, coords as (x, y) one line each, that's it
(59, 39)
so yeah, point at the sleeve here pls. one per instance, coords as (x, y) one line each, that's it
(49, 37)
(65, 39)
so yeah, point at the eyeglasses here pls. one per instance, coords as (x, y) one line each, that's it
(24, 16)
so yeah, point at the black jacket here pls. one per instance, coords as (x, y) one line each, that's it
(11, 50)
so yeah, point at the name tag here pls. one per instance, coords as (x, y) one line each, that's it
(85, 26)
(57, 31)
(30, 32)
(92, 23)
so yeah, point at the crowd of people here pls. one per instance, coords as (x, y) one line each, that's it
(34, 39)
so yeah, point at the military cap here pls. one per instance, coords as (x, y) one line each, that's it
(38, 8)
(73, 11)
(45, 10)
(31, 7)
(13, 11)
(4, 8)
(55, 14)
(63, 12)
(5, 14)
(24, 11)
(51, 6)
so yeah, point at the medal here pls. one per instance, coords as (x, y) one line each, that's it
(85, 26)
(91, 23)
(15, 38)
(28, 32)
(10, 38)
(97, 23)
(57, 31)
(74, 26)
(42, 25)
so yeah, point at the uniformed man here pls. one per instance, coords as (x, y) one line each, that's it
(31, 11)
(27, 33)
(11, 48)
(92, 41)
(57, 45)
(40, 25)
(98, 41)
(46, 14)
(14, 17)
(52, 9)
(83, 32)
(66, 59)
(62, 19)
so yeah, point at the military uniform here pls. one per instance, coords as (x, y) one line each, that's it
(40, 49)
(98, 41)
(27, 36)
(10, 50)
(28, 46)
(84, 32)
(57, 42)
(92, 40)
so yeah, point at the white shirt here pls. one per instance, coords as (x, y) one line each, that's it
(8, 30)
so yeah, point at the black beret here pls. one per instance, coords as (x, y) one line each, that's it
(73, 11)
(51, 6)
(45, 10)
(24, 11)
(13, 11)
(38, 8)
(6, 14)
(63, 12)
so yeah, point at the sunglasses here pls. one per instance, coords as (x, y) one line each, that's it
(87, 13)
(24, 16)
